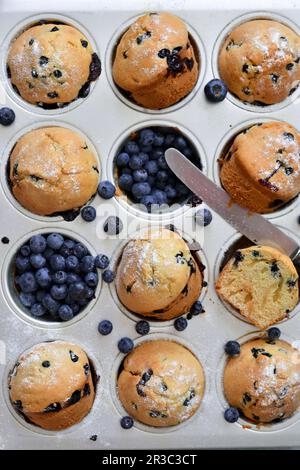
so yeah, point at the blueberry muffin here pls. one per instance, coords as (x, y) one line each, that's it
(52, 64)
(263, 382)
(260, 283)
(155, 61)
(52, 169)
(161, 383)
(52, 386)
(261, 170)
(259, 61)
(157, 276)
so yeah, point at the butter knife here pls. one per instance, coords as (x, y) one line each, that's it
(254, 226)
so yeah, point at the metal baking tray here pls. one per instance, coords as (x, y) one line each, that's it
(106, 118)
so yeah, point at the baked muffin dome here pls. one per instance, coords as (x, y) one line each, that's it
(155, 61)
(259, 61)
(261, 170)
(157, 276)
(161, 384)
(263, 382)
(52, 63)
(261, 283)
(52, 170)
(52, 386)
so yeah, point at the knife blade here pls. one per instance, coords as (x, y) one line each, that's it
(254, 226)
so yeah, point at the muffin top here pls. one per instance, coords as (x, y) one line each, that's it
(268, 155)
(259, 61)
(161, 384)
(150, 47)
(153, 271)
(49, 375)
(263, 382)
(52, 169)
(50, 63)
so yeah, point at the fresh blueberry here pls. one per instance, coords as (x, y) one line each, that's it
(88, 213)
(215, 90)
(108, 276)
(25, 250)
(182, 190)
(67, 248)
(59, 277)
(131, 147)
(196, 308)
(105, 327)
(43, 277)
(274, 333)
(77, 291)
(146, 149)
(144, 156)
(122, 159)
(65, 312)
(146, 137)
(148, 201)
(91, 279)
(27, 282)
(55, 241)
(141, 189)
(7, 116)
(160, 196)
(170, 192)
(169, 140)
(37, 261)
(140, 176)
(187, 152)
(89, 292)
(151, 167)
(126, 182)
(80, 250)
(161, 185)
(101, 261)
(22, 264)
(232, 348)
(142, 327)
(75, 308)
(126, 422)
(180, 324)
(136, 162)
(72, 263)
(162, 163)
(87, 264)
(231, 415)
(113, 224)
(57, 262)
(48, 253)
(27, 299)
(40, 294)
(157, 154)
(50, 304)
(72, 277)
(203, 217)
(37, 244)
(151, 180)
(162, 176)
(106, 189)
(83, 302)
(180, 143)
(158, 140)
(58, 292)
(125, 345)
(37, 310)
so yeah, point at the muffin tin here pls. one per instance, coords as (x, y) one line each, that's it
(106, 118)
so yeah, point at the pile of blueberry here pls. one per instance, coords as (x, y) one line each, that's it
(56, 277)
(142, 170)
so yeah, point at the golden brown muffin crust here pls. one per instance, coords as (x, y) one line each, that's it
(259, 61)
(142, 67)
(52, 169)
(264, 380)
(261, 170)
(161, 384)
